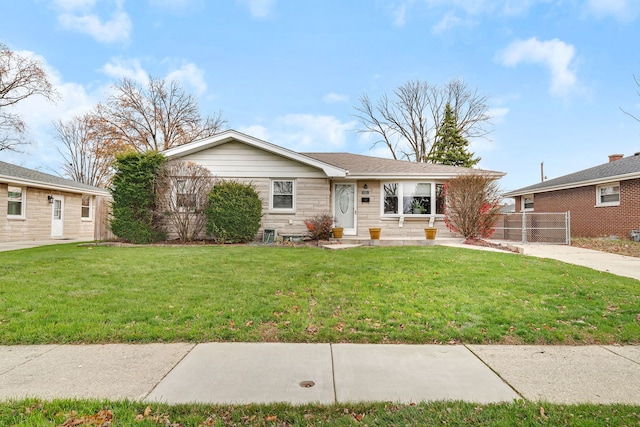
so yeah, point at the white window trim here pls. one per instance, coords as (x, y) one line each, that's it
(522, 202)
(90, 217)
(401, 195)
(605, 204)
(272, 209)
(23, 211)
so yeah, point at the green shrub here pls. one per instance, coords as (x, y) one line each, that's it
(233, 213)
(133, 215)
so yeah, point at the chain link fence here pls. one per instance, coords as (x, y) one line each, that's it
(534, 227)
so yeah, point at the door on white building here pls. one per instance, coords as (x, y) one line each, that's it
(344, 207)
(57, 217)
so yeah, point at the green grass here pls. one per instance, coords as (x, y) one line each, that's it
(100, 294)
(34, 413)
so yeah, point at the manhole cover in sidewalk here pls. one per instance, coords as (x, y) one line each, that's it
(307, 384)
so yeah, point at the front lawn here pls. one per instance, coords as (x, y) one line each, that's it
(100, 294)
(35, 413)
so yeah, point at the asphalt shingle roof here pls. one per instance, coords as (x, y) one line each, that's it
(9, 171)
(611, 170)
(358, 164)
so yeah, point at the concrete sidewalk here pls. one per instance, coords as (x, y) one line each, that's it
(220, 373)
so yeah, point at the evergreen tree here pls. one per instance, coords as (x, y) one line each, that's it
(450, 147)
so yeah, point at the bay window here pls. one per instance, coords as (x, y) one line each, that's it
(413, 198)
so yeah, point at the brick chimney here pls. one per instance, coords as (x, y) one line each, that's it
(614, 157)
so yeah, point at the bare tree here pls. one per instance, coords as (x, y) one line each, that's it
(637, 80)
(182, 189)
(409, 122)
(472, 205)
(20, 78)
(83, 152)
(152, 118)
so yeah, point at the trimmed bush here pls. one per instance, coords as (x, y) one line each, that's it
(233, 213)
(320, 226)
(133, 190)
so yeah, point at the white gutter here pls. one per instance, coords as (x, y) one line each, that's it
(11, 180)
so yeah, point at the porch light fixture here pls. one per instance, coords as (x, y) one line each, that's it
(50, 198)
(365, 186)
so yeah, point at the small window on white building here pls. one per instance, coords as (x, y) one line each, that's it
(86, 207)
(16, 202)
(527, 202)
(186, 199)
(608, 194)
(283, 195)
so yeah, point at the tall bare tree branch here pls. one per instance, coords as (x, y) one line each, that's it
(82, 150)
(20, 78)
(153, 118)
(409, 123)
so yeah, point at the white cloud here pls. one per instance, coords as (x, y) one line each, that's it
(622, 10)
(448, 21)
(257, 131)
(553, 54)
(304, 132)
(80, 16)
(498, 114)
(333, 97)
(308, 131)
(190, 76)
(119, 68)
(400, 15)
(259, 9)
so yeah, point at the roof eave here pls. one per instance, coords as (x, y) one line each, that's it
(525, 190)
(395, 175)
(51, 186)
(231, 135)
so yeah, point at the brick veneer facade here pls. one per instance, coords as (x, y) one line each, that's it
(587, 219)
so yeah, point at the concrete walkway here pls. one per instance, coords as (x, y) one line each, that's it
(220, 373)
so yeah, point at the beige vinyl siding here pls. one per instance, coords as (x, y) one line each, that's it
(238, 160)
(312, 198)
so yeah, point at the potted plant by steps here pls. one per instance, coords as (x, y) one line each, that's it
(374, 233)
(337, 232)
(430, 233)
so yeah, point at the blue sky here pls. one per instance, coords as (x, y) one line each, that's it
(557, 73)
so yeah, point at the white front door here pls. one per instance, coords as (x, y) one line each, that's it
(57, 217)
(344, 207)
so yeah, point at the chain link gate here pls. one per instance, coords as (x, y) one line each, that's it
(534, 227)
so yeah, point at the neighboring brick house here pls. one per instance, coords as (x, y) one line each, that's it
(603, 201)
(39, 206)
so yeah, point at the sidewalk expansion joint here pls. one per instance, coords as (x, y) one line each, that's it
(168, 372)
(496, 372)
(620, 355)
(333, 374)
(53, 347)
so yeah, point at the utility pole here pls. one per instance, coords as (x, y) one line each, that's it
(542, 177)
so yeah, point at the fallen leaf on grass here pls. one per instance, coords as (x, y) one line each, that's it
(101, 419)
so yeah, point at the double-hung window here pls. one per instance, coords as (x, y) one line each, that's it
(608, 194)
(283, 195)
(16, 202)
(412, 198)
(86, 207)
(186, 200)
(527, 202)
